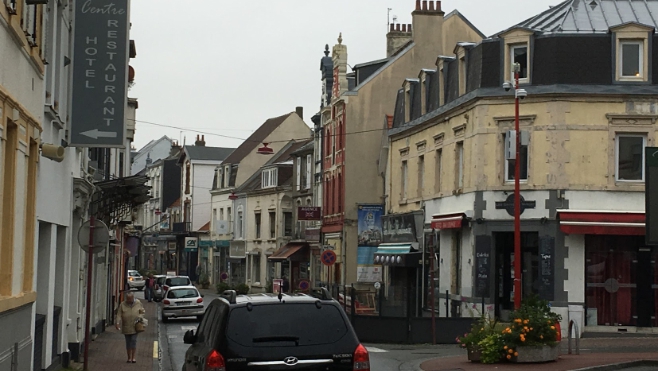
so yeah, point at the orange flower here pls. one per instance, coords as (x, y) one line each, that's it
(511, 351)
(516, 354)
(505, 347)
(525, 328)
(517, 320)
(552, 327)
(525, 322)
(530, 328)
(509, 356)
(541, 336)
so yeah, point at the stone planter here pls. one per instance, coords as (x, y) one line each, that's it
(474, 354)
(537, 354)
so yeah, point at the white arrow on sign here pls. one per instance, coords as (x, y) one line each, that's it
(99, 134)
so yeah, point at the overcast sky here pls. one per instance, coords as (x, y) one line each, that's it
(225, 66)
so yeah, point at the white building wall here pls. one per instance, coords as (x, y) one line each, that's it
(605, 200)
(159, 150)
(201, 183)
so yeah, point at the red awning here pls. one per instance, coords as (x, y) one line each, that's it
(448, 221)
(602, 222)
(286, 251)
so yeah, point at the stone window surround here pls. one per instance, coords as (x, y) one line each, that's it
(633, 32)
(627, 124)
(513, 38)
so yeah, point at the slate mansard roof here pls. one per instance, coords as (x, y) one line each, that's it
(592, 16)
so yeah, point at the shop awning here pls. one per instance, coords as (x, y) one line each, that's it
(397, 254)
(448, 221)
(602, 222)
(286, 251)
(393, 248)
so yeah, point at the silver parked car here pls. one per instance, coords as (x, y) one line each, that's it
(158, 289)
(182, 301)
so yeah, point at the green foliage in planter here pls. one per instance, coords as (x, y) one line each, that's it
(269, 286)
(491, 348)
(241, 289)
(221, 287)
(532, 324)
(204, 278)
(480, 329)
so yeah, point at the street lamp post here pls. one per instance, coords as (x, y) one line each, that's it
(517, 193)
(518, 94)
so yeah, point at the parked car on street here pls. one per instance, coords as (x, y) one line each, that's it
(158, 289)
(135, 280)
(182, 301)
(275, 332)
(173, 281)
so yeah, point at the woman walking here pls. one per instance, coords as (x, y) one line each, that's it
(129, 311)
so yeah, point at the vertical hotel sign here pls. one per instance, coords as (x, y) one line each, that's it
(100, 73)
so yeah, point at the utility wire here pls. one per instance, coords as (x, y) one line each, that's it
(246, 139)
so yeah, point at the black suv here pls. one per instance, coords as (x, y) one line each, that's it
(275, 332)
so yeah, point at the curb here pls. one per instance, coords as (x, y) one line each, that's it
(620, 366)
(157, 351)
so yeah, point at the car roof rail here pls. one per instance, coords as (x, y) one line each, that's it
(230, 295)
(322, 293)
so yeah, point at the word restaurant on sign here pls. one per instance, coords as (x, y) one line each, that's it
(107, 72)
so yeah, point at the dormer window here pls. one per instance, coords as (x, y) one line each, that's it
(519, 54)
(631, 59)
(633, 56)
(269, 178)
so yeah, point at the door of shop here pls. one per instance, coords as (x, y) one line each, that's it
(622, 281)
(504, 245)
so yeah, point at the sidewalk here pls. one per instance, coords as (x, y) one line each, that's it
(108, 351)
(597, 352)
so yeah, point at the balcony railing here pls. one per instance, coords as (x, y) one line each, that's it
(181, 227)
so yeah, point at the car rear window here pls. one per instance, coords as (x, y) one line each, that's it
(160, 280)
(182, 293)
(134, 274)
(178, 281)
(291, 324)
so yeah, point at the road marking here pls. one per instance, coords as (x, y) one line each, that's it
(155, 349)
(185, 328)
(376, 350)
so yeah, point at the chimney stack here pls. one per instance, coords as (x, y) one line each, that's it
(200, 141)
(397, 37)
(300, 112)
(428, 24)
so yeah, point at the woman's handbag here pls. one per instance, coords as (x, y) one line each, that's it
(140, 325)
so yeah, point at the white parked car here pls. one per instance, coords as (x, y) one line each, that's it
(182, 301)
(135, 280)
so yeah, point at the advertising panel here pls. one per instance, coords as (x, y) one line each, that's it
(370, 236)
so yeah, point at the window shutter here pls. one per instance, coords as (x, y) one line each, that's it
(309, 172)
(299, 173)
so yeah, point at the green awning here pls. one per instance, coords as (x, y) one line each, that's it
(394, 248)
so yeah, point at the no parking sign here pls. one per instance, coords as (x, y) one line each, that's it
(328, 257)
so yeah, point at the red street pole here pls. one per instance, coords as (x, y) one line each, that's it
(517, 196)
(90, 263)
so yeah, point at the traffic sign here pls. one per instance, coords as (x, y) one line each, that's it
(378, 285)
(101, 236)
(328, 257)
(304, 285)
(223, 276)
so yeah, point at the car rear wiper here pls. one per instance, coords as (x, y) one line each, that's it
(273, 339)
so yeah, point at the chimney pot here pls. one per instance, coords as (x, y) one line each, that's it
(404, 28)
(409, 28)
(300, 112)
(417, 4)
(397, 27)
(392, 27)
(438, 6)
(424, 4)
(431, 5)
(203, 138)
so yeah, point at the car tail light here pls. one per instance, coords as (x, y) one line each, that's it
(215, 362)
(199, 300)
(166, 302)
(361, 359)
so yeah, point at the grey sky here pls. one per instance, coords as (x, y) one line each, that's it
(225, 66)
